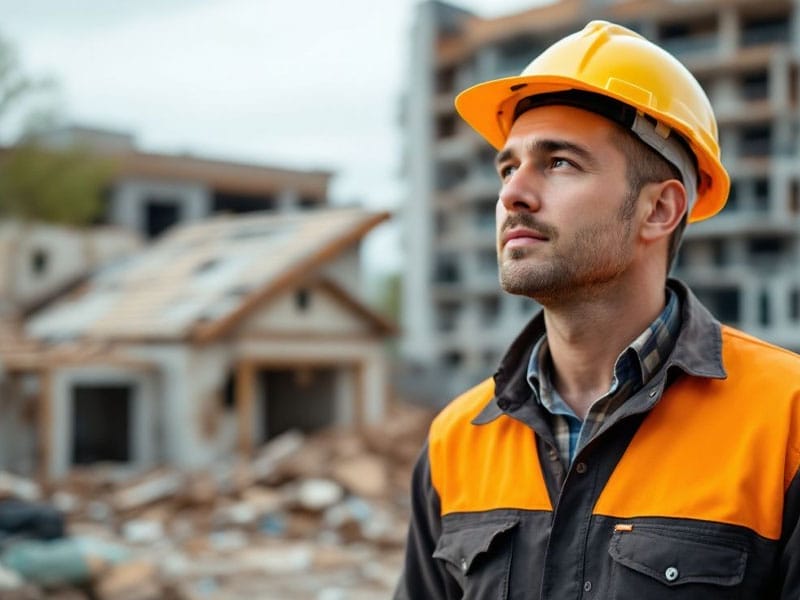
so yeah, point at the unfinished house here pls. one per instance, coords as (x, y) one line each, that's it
(151, 192)
(220, 336)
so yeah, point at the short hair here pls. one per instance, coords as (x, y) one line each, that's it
(644, 165)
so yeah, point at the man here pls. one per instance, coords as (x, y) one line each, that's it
(629, 446)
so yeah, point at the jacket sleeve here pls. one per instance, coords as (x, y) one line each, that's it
(790, 554)
(423, 576)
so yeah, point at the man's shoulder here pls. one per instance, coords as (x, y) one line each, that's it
(463, 409)
(759, 352)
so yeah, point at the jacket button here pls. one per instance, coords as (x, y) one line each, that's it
(671, 574)
(587, 586)
(464, 565)
(580, 468)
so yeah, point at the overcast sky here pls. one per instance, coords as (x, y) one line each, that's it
(307, 84)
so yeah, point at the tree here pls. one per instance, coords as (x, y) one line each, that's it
(40, 182)
(55, 186)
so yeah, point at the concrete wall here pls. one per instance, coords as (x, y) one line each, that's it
(177, 412)
(419, 341)
(41, 259)
(18, 438)
(213, 426)
(323, 314)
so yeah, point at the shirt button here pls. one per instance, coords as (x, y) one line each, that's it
(671, 574)
(587, 586)
(553, 455)
(580, 468)
(464, 565)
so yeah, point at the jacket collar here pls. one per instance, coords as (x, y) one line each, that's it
(697, 351)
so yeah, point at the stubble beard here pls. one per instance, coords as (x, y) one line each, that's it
(550, 275)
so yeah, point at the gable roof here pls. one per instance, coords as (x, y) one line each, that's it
(328, 310)
(201, 279)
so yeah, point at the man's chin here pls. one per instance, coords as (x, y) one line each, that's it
(523, 283)
(518, 253)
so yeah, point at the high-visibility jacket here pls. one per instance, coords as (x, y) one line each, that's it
(690, 490)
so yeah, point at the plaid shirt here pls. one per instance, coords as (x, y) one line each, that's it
(633, 369)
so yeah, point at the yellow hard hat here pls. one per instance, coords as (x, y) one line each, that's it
(614, 62)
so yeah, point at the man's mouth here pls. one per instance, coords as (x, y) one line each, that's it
(521, 236)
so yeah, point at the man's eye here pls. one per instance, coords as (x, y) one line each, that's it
(557, 162)
(506, 171)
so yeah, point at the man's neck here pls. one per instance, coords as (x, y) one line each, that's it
(585, 338)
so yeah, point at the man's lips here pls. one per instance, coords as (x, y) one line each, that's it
(514, 238)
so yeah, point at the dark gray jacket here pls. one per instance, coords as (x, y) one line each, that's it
(689, 491)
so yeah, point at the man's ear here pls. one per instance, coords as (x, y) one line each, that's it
(665, 204)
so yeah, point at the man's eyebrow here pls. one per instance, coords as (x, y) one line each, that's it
(503, 156)
(548, 147)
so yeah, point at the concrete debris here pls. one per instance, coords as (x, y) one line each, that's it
(135, 580)
(10, 580)
(155, 486)
(317, 516)
(318, 494)
(142, 531)
(18, 488)
(363, 475)
(272, 455)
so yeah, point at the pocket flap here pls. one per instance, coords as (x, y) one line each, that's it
(673, 559)
(462, 546)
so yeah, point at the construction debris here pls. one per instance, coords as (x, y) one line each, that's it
(319, 516)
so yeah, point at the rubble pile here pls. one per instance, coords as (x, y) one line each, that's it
(320, 516)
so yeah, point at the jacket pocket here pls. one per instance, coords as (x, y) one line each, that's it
(478, 555)
(662, 563)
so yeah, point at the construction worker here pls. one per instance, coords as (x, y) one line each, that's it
(628, 446)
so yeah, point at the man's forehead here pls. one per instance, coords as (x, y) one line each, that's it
(558, 122)
(566, 117)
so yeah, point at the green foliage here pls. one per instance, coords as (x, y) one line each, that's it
(39, 183)
(389, 296)
(64, 186)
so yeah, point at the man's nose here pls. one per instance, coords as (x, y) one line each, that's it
(520, 192)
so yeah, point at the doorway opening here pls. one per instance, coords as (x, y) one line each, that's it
(301, 398)
(101, 420)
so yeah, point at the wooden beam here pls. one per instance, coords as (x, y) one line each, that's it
(245, 406)
(359, 397)
(45, 428)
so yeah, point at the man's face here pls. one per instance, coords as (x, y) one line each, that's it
(562, 227)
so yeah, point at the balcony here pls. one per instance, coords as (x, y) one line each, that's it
(684, 47)
(775, 30)
(738, 223)
(738, 111)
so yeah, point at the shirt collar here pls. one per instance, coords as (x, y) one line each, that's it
(697, 351)
(637, 363)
